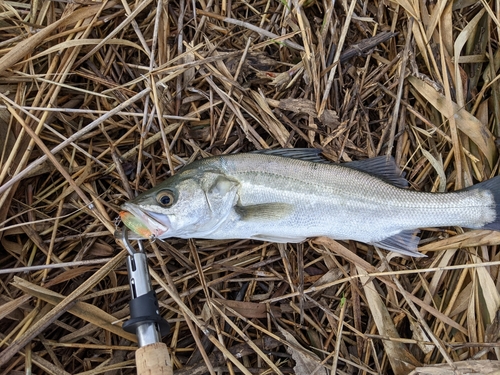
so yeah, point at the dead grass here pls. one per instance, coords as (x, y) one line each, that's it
(102, 100)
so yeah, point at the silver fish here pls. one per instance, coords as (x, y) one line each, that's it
(292, 194)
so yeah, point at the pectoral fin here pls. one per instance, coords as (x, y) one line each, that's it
(264, 212)
(405, 242)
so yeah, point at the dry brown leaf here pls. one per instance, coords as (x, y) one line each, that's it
(488, 289)
(462, 300)
(298, 106)
(7, 139)
(249, 309)
(460, 41)
(306, 362)
(11, 246)
(438, 167)
(420, 335)
(409, 7)
(270, 123)
(70, 274)
(8, 307)
(83, 42)
(465, 121)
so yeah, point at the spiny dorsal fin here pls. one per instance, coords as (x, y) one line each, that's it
(306, 154)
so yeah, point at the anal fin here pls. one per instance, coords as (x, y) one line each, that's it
(405, 242)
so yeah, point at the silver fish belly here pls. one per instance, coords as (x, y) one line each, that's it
(278, 198)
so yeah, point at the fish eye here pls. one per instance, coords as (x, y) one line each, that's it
(165, 198)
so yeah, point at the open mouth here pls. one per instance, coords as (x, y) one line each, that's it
(147, 224)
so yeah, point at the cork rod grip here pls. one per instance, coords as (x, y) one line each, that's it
(153, 359)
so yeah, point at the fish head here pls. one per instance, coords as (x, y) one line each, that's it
(188, 205)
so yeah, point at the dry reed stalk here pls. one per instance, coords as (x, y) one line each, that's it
(102, 100)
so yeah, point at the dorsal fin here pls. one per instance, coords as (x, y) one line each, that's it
(307, 154)
(381, 167)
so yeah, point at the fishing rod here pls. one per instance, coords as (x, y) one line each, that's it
(145, 321)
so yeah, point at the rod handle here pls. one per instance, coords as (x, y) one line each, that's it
(153, 359)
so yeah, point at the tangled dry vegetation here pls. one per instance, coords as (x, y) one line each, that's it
(100, 100)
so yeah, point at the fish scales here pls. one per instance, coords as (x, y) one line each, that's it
(285, 199)
(333, 200)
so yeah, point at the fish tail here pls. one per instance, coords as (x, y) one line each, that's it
(493, 187)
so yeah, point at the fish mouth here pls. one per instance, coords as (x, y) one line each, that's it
(145, 223)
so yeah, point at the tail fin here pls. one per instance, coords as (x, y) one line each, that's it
(493, 187)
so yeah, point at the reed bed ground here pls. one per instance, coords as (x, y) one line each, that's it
(101, 100)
